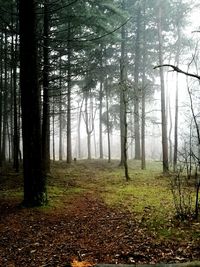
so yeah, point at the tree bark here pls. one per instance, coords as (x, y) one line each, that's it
(5, 100)
(35, 193)
(60, 113)
(122, 84)
(46, 115)
(176, 101)
(69, 141)
(100, 120)
(107, 120)
(163, 106)
(1, 102)
(136, 91)
(144, 58)
(15, 100)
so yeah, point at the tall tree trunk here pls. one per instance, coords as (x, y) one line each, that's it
(69, 141)
(35, 193)
(122, 84)
(136, 87)
(101, 106)
(79, 130)
(144, 58)
(89, 121)
(163, 106)
(60, 112)
(176, 100)
(170, 132)
(15, 110)
(1, 99)
(53, 131)
(123, 100)
(100, 120)
(46, 115)
(5, 99)
(108, 120)
(125, 134)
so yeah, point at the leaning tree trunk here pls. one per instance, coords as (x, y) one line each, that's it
(35, 193)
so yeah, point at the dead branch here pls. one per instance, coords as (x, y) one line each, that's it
(175, 68)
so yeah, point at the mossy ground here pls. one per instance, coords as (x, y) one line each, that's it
(146, 198)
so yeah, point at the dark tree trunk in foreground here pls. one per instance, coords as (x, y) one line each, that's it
(46, 116)
(34, 179)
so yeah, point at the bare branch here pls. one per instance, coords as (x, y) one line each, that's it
(175, 68)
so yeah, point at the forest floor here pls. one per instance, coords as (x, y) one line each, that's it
(95, 216)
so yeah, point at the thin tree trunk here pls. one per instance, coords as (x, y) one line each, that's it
(100, 120)
(53, 132)
(89, 122)
(60, 113)
(69, 141)
(122, 84)
(123, 101)
(144, 58)
(5, 100)
(79, 130)
(108, 120)
(163, 106)
(136, 87)
(15, 110)
(176, 101)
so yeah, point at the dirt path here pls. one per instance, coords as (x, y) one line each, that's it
(86, 229)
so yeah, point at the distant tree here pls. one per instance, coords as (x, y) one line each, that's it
(163, 95)
(136, 83)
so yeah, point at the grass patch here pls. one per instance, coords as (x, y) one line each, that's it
(147, 196)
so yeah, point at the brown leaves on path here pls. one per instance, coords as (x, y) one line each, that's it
(84, 232)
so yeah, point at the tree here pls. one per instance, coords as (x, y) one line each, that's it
(163, 105)
(35, 193)
(136, 84)
(46, 115)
